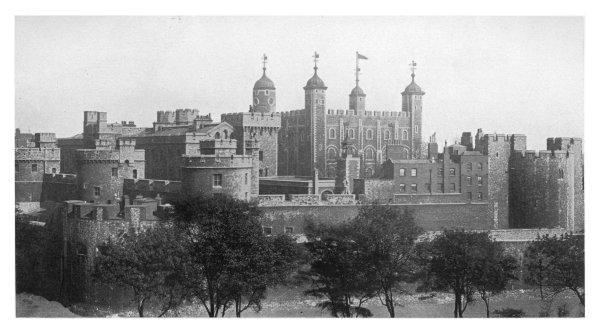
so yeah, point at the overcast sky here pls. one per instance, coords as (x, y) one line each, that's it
(502, 74)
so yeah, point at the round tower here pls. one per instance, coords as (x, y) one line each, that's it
(357, 95)
(412, 103)
(264, 97)
(314, 105)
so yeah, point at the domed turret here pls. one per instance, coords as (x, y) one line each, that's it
(413, 88)
(263, 94)
(315, 82)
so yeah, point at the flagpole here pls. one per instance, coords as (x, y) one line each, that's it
(357, 69)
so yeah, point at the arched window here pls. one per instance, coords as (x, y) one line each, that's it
(416, 129)
(404, 154)
(404, 135)
(480, 166)
(331, 153)
(217, 136)
(369, 172)
(369, 134)
(561, 174)
(226, 134)
(352, 151)
(351, 133)
(387, 135)
(135, 174)
(332, 133)
(369, 154)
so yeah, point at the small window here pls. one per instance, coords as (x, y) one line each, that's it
(135, 174)
(217, 180)
(402, 188)
(226, 134)
(16, 167)
(413, 172)
(267, 230)
(85, 186)
(387, 135)
(369, 172)
(440, 171)
(260, 155)
(351, 133)
(479, 181)
(217, 136)
(33, 167)
(246, 178)
(497, 154)
(469, 166)
(469, 181)
(479, 166)
(440, 187)
(404, 135)
(416, 129)
(115, 171)
(267, 92)
(452, 172)
(401, 172)
(452, 187)
(53, 170)
(480, 196)
(369, 134)
(470, 195)
(369, 154)
(289, 230)
(561, 174)
(332, 133)
(413, 187)
(96, 191)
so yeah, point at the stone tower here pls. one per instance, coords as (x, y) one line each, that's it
(412, 104)
(314, 105)
(357, 95)
(264, 97)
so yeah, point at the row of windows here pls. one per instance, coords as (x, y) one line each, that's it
(470, 166)
(34, 168)
(269, 230)
(369, 134)
(452, 172)
(218, 179)
(225, 135)
(440, 189)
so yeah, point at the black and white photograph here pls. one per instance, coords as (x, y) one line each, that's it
(309, 166)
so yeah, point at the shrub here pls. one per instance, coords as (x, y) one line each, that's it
(509, 312)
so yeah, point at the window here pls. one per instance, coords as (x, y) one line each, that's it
(85, 186)
(96, 191)
(428, 187)
(289, 230)
(53, 170)
(469, 181)
(452, 172)
(260, 155)
(267, 92)
(480, 196)
(416, 129)
(135, 174)
(351, 133)
(387, 135)
(369, 172)
(469, 166)
(440, 171)
(470, 195)
(226, 134)
(479, 166)
(332, 133)
(217, 180)
(401, 172)
(217, 136)
(440, 187)
(404, 135)
(246, 178)
(115, 171)
(369, 154)
(402, 188)
(331, 154)
(413, 187)
(16, 167)
(33, 167)
(479, 181)
(267, 230)
(413, 172)
(369, 134)
(561, 174)
(452, 187)
(260, 172)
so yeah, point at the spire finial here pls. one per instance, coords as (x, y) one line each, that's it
(264, 60)
(359, 57)
(316, 59)
(413, 67)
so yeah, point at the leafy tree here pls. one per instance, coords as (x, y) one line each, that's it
(555, 264)
(386, 237)
(231, 261)
(148, 262)
(461, 261)
(493, 270)
(338, 271)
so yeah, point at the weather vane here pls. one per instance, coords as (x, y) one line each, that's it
(316, 59)
(264, 58)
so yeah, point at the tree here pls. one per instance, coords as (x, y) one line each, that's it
(555, 264)
(338, 271)
(148, 262)
(386, 237)
(466, 262)
(493, 270)
(231, 261)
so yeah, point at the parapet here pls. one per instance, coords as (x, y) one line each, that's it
(253, 119)
(160, 186)
(25, 154)
(60, 178)
(363, 113)
(205, 161)
(45, 137)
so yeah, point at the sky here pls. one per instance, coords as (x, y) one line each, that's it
(502, 74)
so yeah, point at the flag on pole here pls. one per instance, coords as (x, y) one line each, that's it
(361, 57)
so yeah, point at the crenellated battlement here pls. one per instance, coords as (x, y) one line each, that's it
(253, 119)
(60, 178)
(541, 154)
(24, 154)
(293, 113)
(200, 161)
(92, 155)
(367, 113)
(160, 186)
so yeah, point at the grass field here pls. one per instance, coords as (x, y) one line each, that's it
(290, 302)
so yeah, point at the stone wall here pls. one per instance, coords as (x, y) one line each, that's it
(305, 199)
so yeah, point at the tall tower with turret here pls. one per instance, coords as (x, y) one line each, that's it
(357, 97)
(314, 105)
(412, 99)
